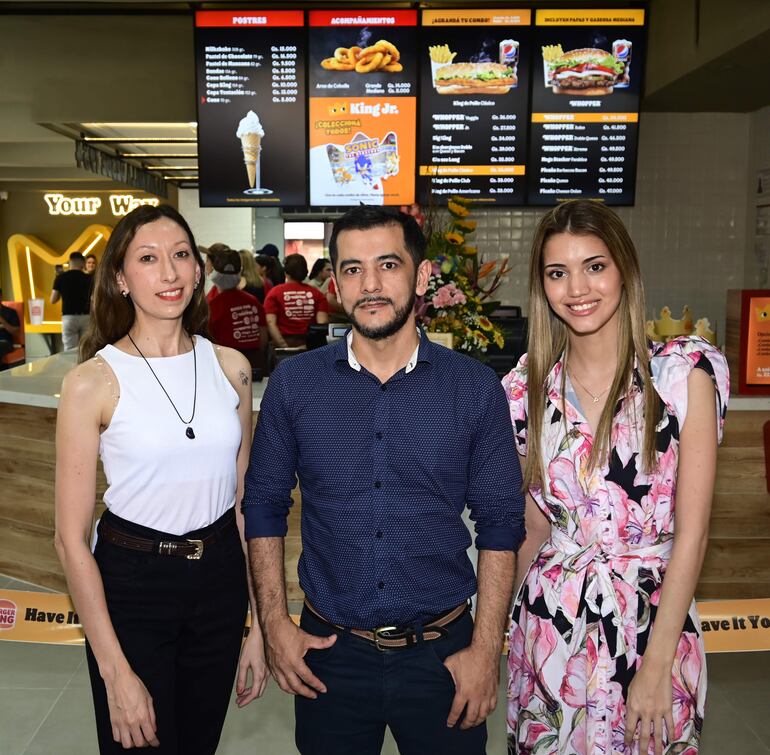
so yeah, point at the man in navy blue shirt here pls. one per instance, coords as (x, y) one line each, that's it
(409, 434)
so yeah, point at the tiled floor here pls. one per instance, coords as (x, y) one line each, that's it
(45, 707)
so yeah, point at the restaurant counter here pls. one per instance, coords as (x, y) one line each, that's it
(737, 562)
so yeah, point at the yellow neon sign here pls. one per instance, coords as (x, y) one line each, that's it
(120, 204)
(32, 264)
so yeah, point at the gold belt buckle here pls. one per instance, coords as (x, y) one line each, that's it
(377, 636)
(198, 549)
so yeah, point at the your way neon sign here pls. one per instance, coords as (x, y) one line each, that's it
(120, 204)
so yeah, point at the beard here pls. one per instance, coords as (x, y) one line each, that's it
(388, 329)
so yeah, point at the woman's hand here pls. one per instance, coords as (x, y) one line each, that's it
(649, 704)
(131, 711)
(252, 657)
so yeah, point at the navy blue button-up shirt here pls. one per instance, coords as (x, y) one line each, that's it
(385, 471)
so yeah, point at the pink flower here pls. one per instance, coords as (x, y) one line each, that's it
(448, 296)
(573, 685)
(566, 488)
(534, 730)
(527, 657)
(688, 665)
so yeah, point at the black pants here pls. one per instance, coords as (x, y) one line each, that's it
(180, 625)
(409, 690)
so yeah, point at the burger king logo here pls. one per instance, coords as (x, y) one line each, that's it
(7, 614)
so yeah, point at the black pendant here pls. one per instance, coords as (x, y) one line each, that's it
(189, 433)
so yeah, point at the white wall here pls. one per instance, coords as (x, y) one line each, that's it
(759, 159)
(228, 225)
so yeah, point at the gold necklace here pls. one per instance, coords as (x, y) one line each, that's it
(594, 397)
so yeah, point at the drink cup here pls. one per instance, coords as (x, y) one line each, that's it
(36, 311)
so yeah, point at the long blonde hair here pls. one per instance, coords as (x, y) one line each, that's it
(249, 270)
(548, 339)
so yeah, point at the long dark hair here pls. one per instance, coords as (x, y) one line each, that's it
(275, 272)
(112, 314)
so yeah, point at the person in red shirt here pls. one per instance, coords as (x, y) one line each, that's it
(236, 318)
(291, 307)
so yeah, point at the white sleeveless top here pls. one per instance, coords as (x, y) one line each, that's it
(157, 476)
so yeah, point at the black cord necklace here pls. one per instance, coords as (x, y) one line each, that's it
(189, 432)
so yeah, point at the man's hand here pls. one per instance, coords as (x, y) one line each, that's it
(475, 672)
(287, 645)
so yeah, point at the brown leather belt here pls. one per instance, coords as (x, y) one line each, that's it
(396, 638)
(190, 548)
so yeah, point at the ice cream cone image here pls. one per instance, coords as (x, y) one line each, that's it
(250, 132)
(251, 144)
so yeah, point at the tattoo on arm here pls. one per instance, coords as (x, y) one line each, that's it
(244, 377)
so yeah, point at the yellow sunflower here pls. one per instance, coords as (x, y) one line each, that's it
(454, 238)
(457, 209)
(469, 250)
(485, 324)
(466, 225)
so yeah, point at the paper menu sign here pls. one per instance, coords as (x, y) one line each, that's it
(758, 342)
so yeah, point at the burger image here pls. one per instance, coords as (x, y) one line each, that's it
(586, 71)
(475, 78)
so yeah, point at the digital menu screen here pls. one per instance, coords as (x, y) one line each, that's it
(474, 99)
(586, 83)
(250, 70)
(362, 82)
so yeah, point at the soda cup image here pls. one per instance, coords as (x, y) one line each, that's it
(36, 307)
(509, 56)
(621, 51)
(509, 53)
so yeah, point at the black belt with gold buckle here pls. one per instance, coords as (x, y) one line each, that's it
(397, 638)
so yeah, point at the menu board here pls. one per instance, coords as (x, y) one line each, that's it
(474, 99)
(586, 85)
(362, 81)
(250, 68)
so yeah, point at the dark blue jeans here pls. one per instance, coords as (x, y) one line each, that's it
(180, 625)
(409, 690)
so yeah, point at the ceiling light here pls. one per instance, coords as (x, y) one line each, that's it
(140, 140)
(160, 155)
(169, 167)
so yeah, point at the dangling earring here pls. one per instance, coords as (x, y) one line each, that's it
(195, 286)
(125, 294)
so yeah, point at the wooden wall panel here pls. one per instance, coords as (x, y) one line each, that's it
(737, 563)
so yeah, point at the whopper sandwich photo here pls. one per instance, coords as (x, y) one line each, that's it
(474, 78)
(587, 71)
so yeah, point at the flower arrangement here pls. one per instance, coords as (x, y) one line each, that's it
(458, 297)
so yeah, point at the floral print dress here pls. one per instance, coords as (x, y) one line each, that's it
(584, 613)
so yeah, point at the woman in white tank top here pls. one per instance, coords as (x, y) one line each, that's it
(164, 596)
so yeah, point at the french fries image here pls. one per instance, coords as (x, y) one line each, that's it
(441, 53)
(381, 56)
(551, 52)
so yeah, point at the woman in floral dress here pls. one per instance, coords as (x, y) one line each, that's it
(606, 654)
